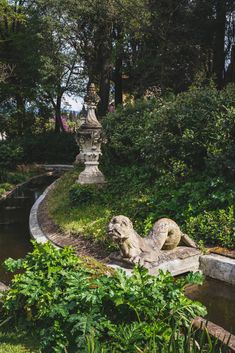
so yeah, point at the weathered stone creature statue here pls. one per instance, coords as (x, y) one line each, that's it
(165, 235)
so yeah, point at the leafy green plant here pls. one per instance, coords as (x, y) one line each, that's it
(10, 154)
(68, 303)
(216, 227)
(84, 194)
(4, 188)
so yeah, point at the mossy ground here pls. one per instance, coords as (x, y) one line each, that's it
(14, 341)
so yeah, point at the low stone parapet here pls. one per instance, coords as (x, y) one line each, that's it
(218, 267)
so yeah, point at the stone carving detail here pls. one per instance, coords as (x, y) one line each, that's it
(165, 235)
(91, 100)
(89, 138)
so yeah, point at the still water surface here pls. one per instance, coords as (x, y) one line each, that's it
(219, 299)
(14, 224)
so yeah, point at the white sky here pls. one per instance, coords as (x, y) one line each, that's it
(74, 102)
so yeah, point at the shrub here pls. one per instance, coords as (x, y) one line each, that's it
(214, 227)
(10, 154)
(4, 187)
(84, 194)
(192, 131)
(49, 148)
(67, 303)
(44, 148)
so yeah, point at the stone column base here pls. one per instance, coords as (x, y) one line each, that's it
(91, 175)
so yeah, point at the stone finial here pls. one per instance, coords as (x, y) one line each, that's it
(92, 99)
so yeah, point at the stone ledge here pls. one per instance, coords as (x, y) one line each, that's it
(58, 167)
(218, 267)
(177, 261)
(34, 226)
(179, 266)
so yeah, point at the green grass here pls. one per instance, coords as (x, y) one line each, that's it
(88, 220)
(202, 206)
(15, 341)
(4, 188)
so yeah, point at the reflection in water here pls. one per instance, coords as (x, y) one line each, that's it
(219, 299)
(14, 224)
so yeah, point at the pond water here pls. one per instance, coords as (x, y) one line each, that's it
(219, 299)
(14, 223)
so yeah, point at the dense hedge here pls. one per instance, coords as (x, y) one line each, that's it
(191, 131)
(42, 148)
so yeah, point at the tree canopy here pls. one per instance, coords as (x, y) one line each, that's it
(52, 48)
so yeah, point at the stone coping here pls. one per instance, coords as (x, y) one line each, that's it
(43, 229)
(58, 167)
(218, 267)
(34, 226)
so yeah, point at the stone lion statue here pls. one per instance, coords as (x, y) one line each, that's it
(165, 235)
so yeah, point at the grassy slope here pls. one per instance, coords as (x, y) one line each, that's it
(202, 206)
(87, 220)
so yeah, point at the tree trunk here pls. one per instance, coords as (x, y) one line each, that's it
(20, 106)
(219, 52)
(118, 64)
(118, 80)
(58, 119)
(104, 88)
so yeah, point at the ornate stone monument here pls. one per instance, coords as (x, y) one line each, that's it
(89, 138)
(159, 250)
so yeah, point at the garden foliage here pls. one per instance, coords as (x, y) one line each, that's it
(193, 131)
(42, 148)
(170, 157)
(70, 305)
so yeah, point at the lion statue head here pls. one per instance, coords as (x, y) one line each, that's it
(122, 232)
(119, 228)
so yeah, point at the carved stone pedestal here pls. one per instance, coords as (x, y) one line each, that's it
(90, 143)
(178, 261)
